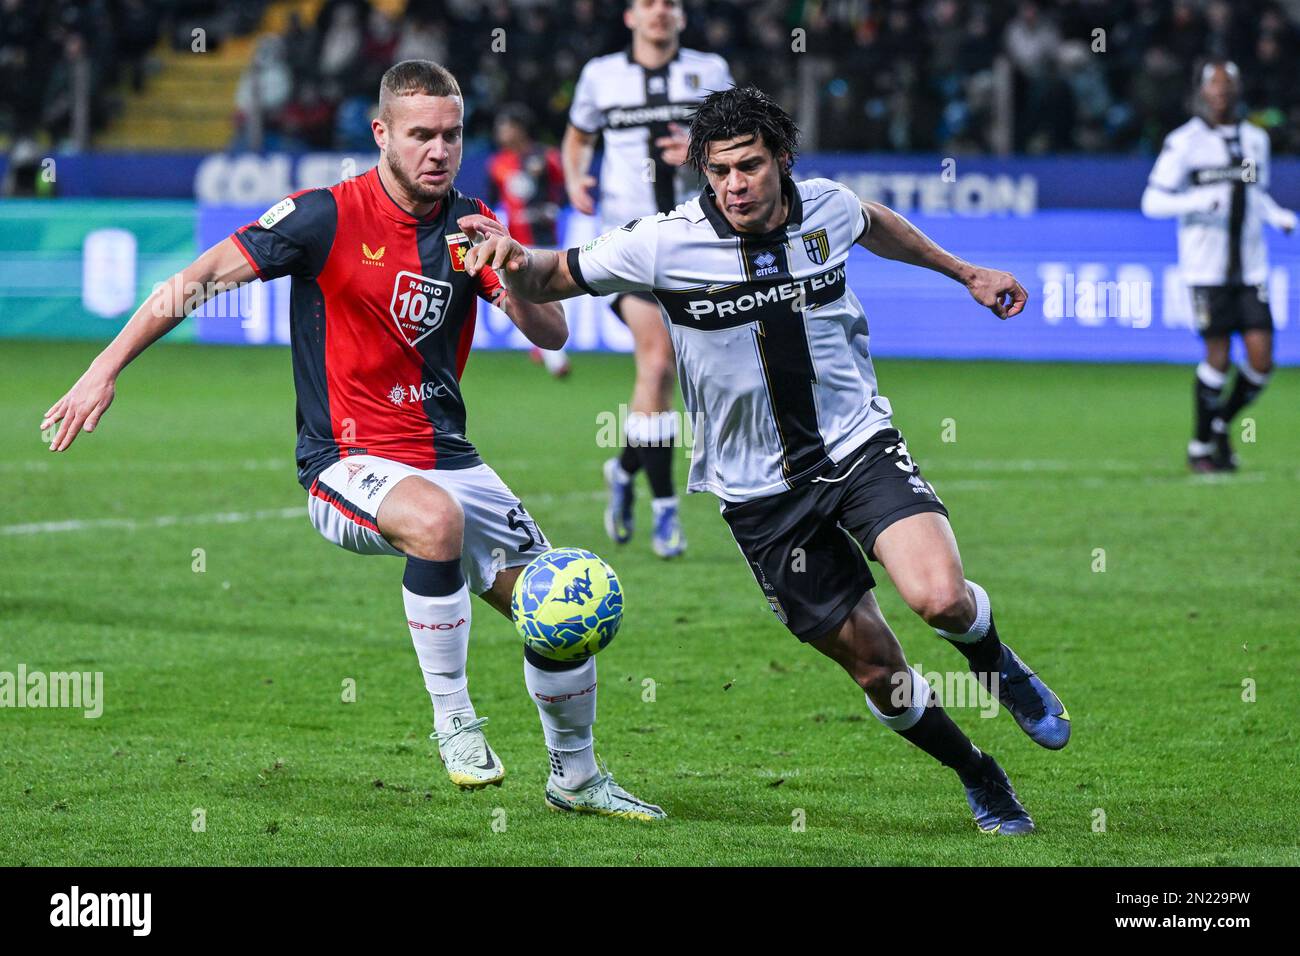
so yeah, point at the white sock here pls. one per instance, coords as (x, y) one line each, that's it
(440, 631)
(983, 615)
(906, 719)
(566, 703)
(659, 504)
(1211, 376)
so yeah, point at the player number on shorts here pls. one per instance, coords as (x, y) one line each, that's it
(519, 520)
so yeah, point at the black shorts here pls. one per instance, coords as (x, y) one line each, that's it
(803, 544)
(617, 304)
(1220, 310)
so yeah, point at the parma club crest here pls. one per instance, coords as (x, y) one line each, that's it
(818, 246)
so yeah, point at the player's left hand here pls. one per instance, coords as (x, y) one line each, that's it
(998, 291)
(672, 148)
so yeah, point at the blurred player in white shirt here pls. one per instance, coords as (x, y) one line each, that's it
(1213, 174)
(640, 100)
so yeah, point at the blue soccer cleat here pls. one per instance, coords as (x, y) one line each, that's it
(996, 807)
(668, 540)
(1037, 710)
(618, 511)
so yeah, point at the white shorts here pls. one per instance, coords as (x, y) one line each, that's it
(499, 533)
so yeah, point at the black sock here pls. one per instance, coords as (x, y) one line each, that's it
(1244, 391)
(1207, 404)
(630, 459)
(937, 735)
(658, 463)
(985, 655)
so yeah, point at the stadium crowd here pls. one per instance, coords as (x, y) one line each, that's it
(896, 75)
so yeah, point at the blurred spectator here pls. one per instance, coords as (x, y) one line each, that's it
(525, 180)
(885, 74)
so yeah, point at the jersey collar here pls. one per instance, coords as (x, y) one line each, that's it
(793, 219)
(390, 207)
(677, 55)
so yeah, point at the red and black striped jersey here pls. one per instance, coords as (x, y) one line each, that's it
(382, 316)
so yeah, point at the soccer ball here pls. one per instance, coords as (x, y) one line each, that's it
(567, 604)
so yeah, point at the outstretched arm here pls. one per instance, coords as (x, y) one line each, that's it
(221, 268)
(890, 236)
(530, 275)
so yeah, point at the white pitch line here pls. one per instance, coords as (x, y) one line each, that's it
(160, 521)
(225, 517)
(52, 466)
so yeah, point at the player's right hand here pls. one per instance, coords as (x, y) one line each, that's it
(501, 253)
(80, 409)
(580, 194)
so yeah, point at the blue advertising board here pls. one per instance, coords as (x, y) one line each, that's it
(974, 186)
(1103, 286)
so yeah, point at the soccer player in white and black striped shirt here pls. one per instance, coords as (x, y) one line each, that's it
(639, 101)
(1213, 175)
(793, 435)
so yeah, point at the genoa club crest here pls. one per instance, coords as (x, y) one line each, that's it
(457, 245)
(817, 245)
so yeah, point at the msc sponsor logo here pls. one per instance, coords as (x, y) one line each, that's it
(399, 394)
(817, 290)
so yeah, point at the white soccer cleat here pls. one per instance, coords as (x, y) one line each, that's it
(602, 796)
(470, 761)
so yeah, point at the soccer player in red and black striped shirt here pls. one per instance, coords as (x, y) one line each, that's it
(382, 317)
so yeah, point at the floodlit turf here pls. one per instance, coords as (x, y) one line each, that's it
(222, 689)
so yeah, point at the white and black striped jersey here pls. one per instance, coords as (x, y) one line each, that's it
(632, 107)
(1230, 165)
(771, 342)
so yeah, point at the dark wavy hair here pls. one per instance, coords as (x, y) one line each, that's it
(741, 111)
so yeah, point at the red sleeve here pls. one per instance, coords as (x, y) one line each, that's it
(555, 172)
(489, 283)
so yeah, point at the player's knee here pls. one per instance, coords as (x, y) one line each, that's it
(946, 604)
(657, 371)
(435, 530)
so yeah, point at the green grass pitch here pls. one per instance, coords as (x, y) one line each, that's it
(223, 689)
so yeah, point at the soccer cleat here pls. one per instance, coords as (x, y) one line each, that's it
(1224, 458)
(602, 796)
(668, 540)
(470, 761)
(1202, 464)
(556, 361)
(996, 807)
(1037, 710)
(618, 511)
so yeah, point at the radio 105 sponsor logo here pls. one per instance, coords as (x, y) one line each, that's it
(419, 305)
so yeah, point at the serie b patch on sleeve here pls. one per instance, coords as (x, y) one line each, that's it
(276, 213)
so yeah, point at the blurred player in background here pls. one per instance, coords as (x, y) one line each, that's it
(526, 182)
(797, 441)
(639, 100)
(1213, 174)
(382, 317)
